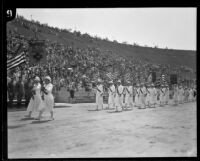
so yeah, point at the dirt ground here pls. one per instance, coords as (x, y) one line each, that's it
(80, 131)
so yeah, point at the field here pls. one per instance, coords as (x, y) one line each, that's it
(80, 131)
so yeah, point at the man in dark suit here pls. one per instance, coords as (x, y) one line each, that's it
(11, 92)
(19, 91)
(27, 89)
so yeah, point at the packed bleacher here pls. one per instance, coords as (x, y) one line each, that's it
(66, 63)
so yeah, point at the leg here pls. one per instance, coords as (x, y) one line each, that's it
(52, 115)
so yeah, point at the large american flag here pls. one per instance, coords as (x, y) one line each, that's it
(16, 61)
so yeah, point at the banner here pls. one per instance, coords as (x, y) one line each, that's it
(37, 52)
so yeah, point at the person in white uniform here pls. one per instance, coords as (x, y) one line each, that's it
(180, 95)
(111, 95)
(129, 96)
(148, 97)
(153, 96)
(99, 95)
(137, 90)
(36, 99)
(47, 104)
(166, 94)
(119, 96)
(190, 98)
(142, 97)
(162, 95)
(175, 96)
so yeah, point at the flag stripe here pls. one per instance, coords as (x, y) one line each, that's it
(15, 62)
(16, 57)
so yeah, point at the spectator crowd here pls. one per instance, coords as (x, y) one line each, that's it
(67, 64)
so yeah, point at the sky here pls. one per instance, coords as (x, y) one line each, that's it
(174, 28)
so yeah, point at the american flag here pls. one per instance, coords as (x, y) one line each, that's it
(127, 77)
(112, 76)
(163, 79)
(16, 61)
(149, 79)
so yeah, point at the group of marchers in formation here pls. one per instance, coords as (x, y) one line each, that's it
(119, 97)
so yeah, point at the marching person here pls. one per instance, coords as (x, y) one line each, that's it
(180, 95)
(142, 96)
(137, 90)
(190, 98)
(153, 96)
(47, 103)
(175, 97)
(99, 95)
(162, 95)
(119, 96)
(158, 94)
(111, 94)
(36, 99)
(166, 94)
(129, 96)
(148, 97)
(186, 94)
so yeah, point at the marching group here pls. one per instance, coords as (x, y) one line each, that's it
(42, 99)
(143, 95)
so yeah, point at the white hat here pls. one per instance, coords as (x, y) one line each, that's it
(98, 80)
(110, 82)
(119, 81)
(48, 78)
(37, 78)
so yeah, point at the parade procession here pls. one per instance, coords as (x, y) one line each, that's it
(75, 94)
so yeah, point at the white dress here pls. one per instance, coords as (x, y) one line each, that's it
(111, 98)
(142, 98)
(137, 97)
(129, 96)
(99, 95)
(167, 95)
(154, 96)
(119, 96)
(48, 102)
(162, 95)
(35, 103)
(190, 95)
(148, 97)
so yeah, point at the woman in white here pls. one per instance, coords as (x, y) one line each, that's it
(111, 98)
(153, 96)
(148, 97)
(129, 96)
(190, 99)
(119, 96)
(162, 95)
(47, 104)
(167, 94)
(99, 95)
(36, 97)
(142, 97)
(175, 97)
(136, 95)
